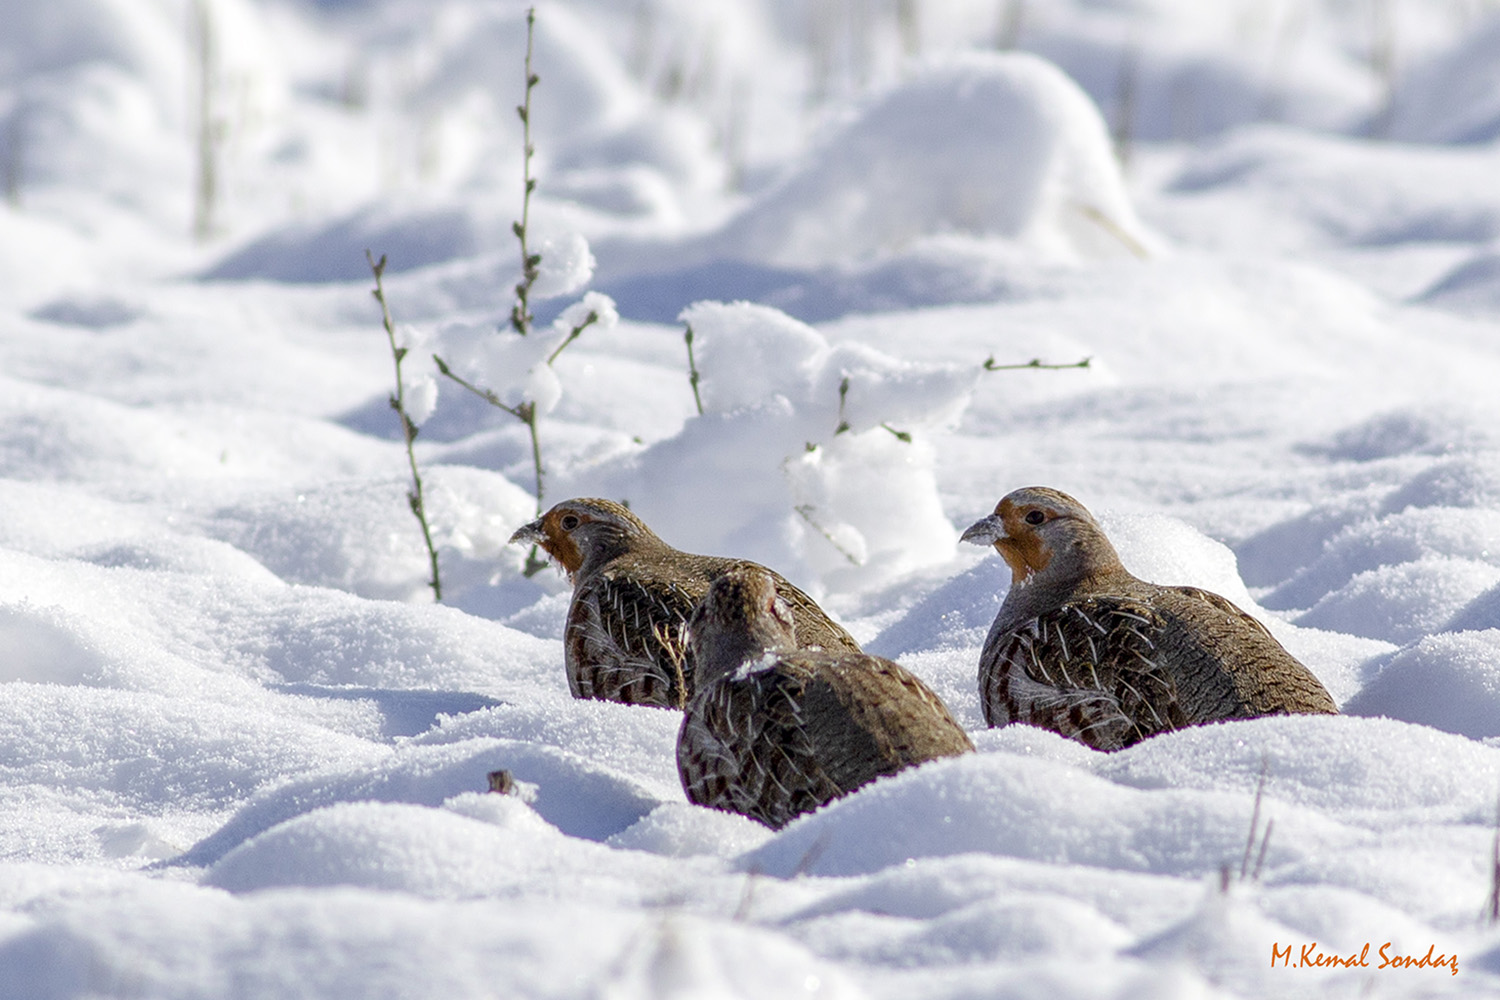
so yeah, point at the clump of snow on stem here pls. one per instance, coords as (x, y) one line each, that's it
(492, 355)
(567, 265)
(784, 468)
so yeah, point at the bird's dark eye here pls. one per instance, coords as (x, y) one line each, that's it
(569, 522)
(1035, 517)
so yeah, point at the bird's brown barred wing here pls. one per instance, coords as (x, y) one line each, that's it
(868, 717)
(744, 748)
(624, 640)
(1092, 670)
(1231, 666)
(814, 629)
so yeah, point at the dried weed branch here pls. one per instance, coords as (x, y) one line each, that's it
(693, 369)
(990, 365)
(520, 313)
(414, 495)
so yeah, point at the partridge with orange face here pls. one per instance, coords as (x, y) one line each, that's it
(632, 594)
(774, 731)
(1086, 649)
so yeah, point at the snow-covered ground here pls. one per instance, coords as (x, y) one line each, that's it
(243, 754)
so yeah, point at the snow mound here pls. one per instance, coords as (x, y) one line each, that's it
(1005, 804)
(1449, 681)
(955, 615)
(406, 848)
(356, 536)
(679, 830)
(1434, 429)
(408, 237)
(1415, 534)
(1483, 612)
(1402, 602)
(1465, 481)
(206, 943)
(208, 754)
(1472, 286)
(1453, 96)
(1278, 551)
(987, 144)
(1263, 190)
(1170, 552)
(90, 311)
(583, 799)
(1225, 940)
(1376, 772)
(810, 457)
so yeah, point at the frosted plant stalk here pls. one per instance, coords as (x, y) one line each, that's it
(414, 495)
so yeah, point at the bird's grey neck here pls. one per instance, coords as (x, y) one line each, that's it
(1058, 584)
(610, 544)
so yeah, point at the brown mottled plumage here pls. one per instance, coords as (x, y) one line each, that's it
(773, 732)
(1084, 648)
(632, 594)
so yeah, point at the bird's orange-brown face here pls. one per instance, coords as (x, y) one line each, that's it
(575, 530)
(554, 532)
(1018, 529)
(1022, 545)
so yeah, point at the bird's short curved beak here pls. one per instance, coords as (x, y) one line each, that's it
(985, 531)
(529, 534)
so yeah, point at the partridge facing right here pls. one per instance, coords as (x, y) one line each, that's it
(1084, 648)
(773, 731)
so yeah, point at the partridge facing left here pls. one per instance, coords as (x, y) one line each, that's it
(632, 594)
(1086, 649)
(773, 732)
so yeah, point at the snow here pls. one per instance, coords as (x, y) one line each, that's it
(243, 753)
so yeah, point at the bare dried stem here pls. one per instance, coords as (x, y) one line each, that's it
(525, 412)
(990, 365)
(520, 313)
(1260, 790)
(414, 495)
(693, 369)
(1494, 905)
(573, 334)
(211, 128)
(805, 511)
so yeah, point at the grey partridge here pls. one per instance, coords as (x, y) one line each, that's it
(632, 594)
(1086, 649)
(773, 731)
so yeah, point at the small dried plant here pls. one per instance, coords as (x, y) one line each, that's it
(521, 316)
(211, 127)
(1492, 908)
(1249, 873)
(414, 495)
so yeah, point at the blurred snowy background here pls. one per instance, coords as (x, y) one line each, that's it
(241, 752)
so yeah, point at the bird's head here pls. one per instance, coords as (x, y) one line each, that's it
(740, 618)
(584, 530)
(1045, 534)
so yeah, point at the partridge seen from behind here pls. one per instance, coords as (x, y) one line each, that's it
(1086, 649)
(632, 595)
(773, 731)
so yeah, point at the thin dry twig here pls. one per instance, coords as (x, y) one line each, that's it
(414, 496)
(693, 369)
(1260, 789)
(990, 365)
(1494, 907)
(520, 313)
